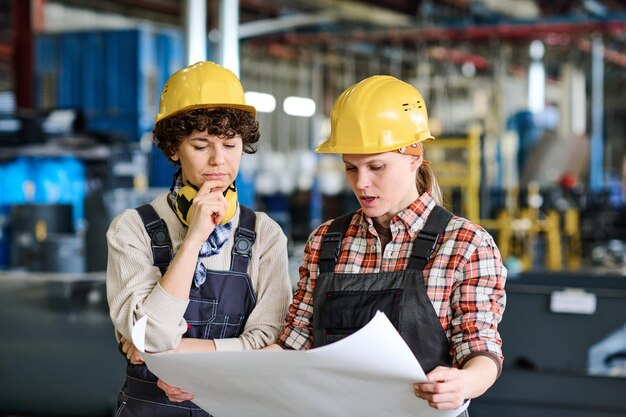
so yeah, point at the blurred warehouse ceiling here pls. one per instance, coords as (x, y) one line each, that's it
(476, 37)
(457, 31)
(393, 13)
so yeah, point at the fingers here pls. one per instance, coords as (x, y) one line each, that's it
(443, 390)
(134, 356)
(174, 394)
(210, 201)
(437, 400)
(131, 352)
(126, 344)
(212, 186)
(442, 373)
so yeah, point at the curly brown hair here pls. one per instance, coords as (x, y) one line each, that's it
(224, 122)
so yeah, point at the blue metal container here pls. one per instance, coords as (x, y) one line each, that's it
(70, 86)
(112, 76)
(93, 78)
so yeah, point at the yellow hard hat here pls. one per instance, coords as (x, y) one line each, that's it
(201, 85)
(378, 114)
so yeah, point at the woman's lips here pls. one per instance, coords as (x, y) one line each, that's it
(367, 201)
(217, 176)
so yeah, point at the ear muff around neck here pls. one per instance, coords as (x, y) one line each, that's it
(230, 194)
(185, 196)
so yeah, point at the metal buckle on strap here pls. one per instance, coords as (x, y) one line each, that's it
(244, 239)
(158, 232)
(427, 247)
(427, 236)
(330, 241)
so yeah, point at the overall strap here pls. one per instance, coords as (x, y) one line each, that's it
(331, 242)
(244, 239)
(426, 240)
(159, 237)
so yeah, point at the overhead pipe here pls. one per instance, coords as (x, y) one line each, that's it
(458, 57)
(266, 26)
(553, 33)
(522, 31)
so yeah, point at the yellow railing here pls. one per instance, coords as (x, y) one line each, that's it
(456, 163)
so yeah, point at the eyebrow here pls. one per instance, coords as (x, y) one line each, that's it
(206, 140)
(198, 139)
(379, 161)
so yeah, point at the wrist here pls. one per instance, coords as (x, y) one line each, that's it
(192, 245)
(196, 345)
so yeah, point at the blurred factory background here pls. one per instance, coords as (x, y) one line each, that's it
(526, 99)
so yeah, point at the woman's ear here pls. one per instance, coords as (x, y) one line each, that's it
(416, 162)
(174, 157)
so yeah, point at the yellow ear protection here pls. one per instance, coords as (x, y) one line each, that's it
(187, 193)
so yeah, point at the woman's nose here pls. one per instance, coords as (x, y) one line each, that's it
(363, 181)
(216, 157)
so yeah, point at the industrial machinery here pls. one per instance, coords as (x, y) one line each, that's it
(547, 239)
(564, 347)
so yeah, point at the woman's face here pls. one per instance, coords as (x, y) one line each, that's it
(384, 183)
(205, 157)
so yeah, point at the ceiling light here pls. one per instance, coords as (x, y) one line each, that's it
(262, 102)
(299, 106)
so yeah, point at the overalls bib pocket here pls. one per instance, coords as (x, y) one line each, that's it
(347, 311)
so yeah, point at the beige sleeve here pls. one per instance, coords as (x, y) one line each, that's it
(133, 290)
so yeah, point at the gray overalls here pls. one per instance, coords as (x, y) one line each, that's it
(344, 303)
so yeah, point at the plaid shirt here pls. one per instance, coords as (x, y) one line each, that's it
(464, 278)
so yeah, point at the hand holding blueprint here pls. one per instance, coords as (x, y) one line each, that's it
(370, 373)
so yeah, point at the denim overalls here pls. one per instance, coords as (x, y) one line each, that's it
(218, 309)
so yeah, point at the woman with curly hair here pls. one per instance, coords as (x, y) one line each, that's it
(210, 274)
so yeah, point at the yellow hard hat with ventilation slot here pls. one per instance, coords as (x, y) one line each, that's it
(379, 114)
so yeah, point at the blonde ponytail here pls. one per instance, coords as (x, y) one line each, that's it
(426, 182)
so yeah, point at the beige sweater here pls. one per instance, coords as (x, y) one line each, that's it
(133, 288)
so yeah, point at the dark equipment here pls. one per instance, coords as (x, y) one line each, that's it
(58, 355)
(31, 224)
(551, 323)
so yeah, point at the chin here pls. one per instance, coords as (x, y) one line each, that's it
(372, 212)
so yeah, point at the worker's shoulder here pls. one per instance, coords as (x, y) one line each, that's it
(129, 218)
(462, 229)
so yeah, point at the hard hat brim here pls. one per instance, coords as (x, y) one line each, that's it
(327, 147)
(244, 107)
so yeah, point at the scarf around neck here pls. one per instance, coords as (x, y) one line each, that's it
(214, 243)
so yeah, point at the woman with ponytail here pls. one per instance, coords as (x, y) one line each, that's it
(439, 278)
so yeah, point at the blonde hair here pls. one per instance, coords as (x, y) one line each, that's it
(426, 182)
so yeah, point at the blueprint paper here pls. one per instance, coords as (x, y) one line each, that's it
(369, 373)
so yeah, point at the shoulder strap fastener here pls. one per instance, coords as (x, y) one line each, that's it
(426, 240)
(331, 242)
(159, 236)
(158, 232)
(244, 239)
(245, 236)
(330, 246)
(424, 245)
